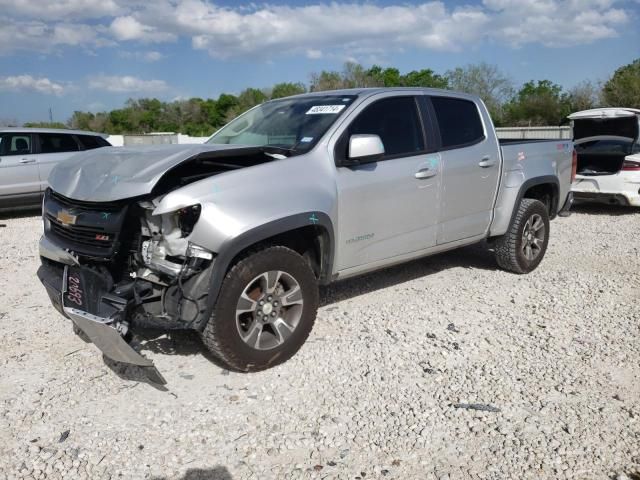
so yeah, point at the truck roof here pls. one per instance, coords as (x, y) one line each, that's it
(50, 130)
(373, 90)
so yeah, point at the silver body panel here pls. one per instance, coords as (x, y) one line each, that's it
(380, 211)
(115, 173)
(525, 162)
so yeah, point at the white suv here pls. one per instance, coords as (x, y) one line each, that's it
(607, 143)
(27, 155)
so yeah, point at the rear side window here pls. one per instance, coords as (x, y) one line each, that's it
(90, 142)
(57, 143)
(459, 122)
(396, 121)
(15, 144)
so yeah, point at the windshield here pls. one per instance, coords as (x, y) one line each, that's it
(291, 123)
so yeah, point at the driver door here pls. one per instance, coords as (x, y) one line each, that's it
(387, 208)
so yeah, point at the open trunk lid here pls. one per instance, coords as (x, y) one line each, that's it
(612, 122)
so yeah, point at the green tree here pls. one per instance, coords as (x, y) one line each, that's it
(424, 78)
(122, 121)
(247, 99)
(223, 107)
(45, 125)
(538, 103)
(486, 81)
(623, 88)
(325, 80)
(81, 120)
(286, 89)
(584, 96)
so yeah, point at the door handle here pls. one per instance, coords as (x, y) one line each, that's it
(27, 160)
(425, 173)
(486, 162)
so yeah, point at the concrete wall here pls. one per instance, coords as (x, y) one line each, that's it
(153, 139)
(531, 133)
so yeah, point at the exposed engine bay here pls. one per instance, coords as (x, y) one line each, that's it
(134, 267)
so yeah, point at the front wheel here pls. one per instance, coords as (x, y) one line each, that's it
(265, 310)
(522, 248)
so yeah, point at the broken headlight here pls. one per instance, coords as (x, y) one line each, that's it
(187, 218)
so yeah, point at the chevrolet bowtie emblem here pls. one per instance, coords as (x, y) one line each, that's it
(66, 218)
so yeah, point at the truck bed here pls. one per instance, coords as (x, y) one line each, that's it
(512, 141)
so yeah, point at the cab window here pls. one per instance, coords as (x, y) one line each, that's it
(15, 144)
(57, 143)
(459, 122)
(396, 121)
(90, 142)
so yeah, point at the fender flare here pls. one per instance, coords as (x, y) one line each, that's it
(232, 247)
(532, 182)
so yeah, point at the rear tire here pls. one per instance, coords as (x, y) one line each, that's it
(265, 310)
(522, 248)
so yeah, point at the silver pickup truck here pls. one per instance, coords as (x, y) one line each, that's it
(232, 238)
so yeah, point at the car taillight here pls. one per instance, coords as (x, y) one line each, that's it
(631, 165)
(574, 165)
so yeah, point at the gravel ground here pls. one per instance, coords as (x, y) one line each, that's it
(378, 391)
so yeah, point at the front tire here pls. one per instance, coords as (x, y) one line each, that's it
(522, 248)
(265, 310)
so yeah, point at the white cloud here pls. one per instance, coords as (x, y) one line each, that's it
(150, 56)
(555, 23)
(21, 83)
(126, 84)
(61, 9)
(314, 53)
(355, 28)
(322, 29)
(128, 28)
(43, 37)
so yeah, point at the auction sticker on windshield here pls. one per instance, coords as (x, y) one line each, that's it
(323, 109)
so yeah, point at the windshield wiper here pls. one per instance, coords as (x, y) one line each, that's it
(276, 149)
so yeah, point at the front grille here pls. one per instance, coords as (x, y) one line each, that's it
(95, 206)
(87, 228)
(81, 235)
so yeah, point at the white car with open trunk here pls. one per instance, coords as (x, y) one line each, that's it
(607, 143)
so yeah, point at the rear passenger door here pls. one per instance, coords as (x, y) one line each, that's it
(54, 148)
(470, 168)
(19, 181)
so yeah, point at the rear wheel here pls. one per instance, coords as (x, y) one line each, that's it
(522, 248)
(265, 310)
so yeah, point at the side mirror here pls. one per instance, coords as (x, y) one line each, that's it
(365, 148)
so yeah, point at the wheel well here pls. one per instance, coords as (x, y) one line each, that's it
(548, 194)
(311, 241)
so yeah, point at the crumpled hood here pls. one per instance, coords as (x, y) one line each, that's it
(113, 173)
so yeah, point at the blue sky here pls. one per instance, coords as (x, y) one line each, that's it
(94, 54)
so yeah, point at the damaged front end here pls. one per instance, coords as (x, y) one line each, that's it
(114, 267)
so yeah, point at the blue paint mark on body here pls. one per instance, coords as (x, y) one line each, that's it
(313, 219)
